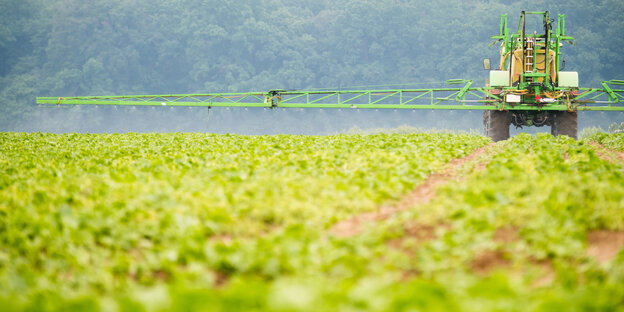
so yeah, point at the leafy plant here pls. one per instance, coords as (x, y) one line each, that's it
(226, 222)
(613, 141)
(590, 131)
(616, 127)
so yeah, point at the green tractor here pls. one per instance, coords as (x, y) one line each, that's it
(530, 74)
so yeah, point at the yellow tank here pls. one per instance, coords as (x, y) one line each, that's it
(539, 65)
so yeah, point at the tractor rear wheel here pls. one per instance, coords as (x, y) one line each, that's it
(565, 123)
(496, 124)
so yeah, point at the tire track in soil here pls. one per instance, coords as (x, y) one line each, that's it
(607, 154)
(603, 245)
(421, 195)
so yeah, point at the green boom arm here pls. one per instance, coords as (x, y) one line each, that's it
(462, 98)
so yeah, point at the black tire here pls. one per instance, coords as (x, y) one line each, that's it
(565, 123)
(496, 124)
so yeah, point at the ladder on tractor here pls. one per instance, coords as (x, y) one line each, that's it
(529, 62)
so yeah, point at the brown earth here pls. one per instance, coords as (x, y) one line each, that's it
(485, 261)
(489, 260)
(548, 273)
(420, 233)
(605, 153)
(419, 196)
(604, 244)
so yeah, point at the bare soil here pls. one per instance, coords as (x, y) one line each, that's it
(604, 244)
(489, 260)
(420, 233)
(548, 274)
(606, 153)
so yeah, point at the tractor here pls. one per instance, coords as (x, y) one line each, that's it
(530, 73)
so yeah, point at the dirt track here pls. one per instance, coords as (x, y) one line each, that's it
(602, 245)
(607, 154)
(421, 195)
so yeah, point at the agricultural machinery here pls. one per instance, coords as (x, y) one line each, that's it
(528, 88)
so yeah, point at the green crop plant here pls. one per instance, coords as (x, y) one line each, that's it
(614, 141)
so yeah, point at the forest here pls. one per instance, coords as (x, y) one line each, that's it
(76, 48)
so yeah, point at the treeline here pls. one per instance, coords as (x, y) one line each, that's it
(75, 47)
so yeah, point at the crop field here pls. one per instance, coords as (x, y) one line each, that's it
(383, 222)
